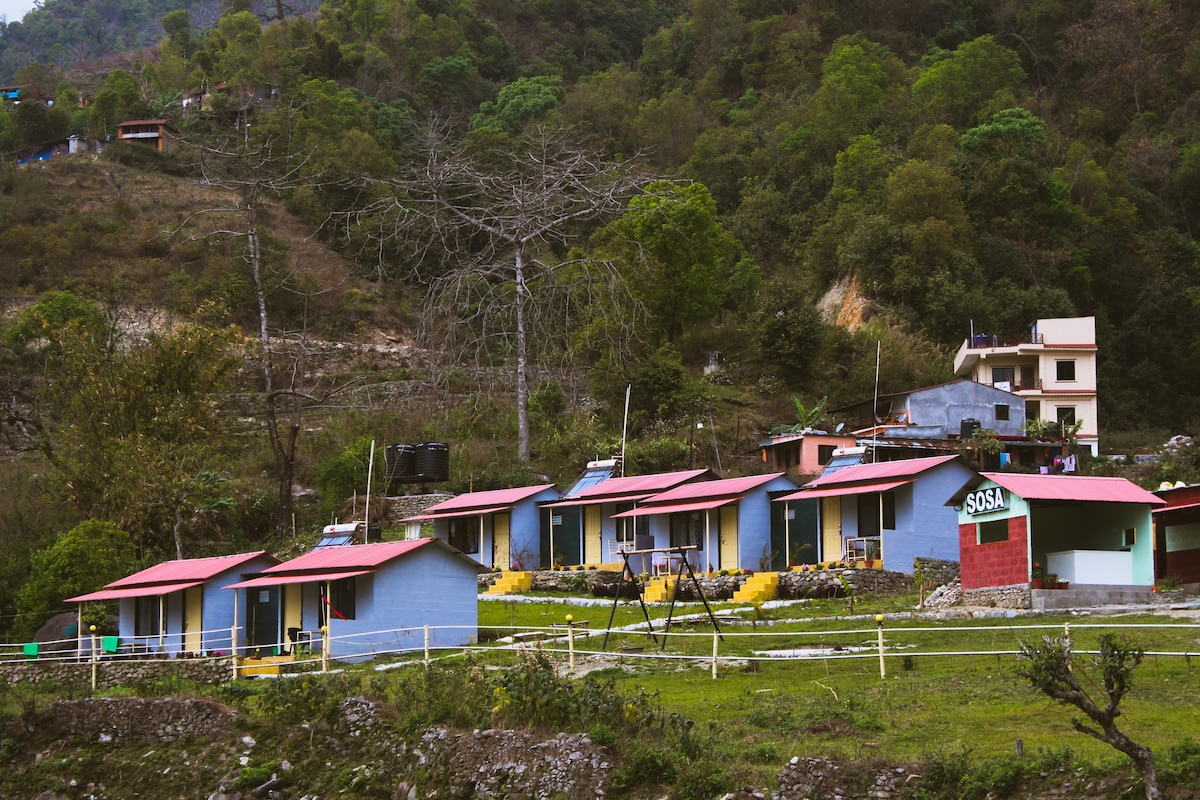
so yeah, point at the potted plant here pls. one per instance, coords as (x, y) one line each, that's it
(1051, 581)
(1036, 580)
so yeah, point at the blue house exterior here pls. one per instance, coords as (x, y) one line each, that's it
(729, 524)
(180, 607)
(893, 511)
(581, 528)
(501, 528)
(370, 599)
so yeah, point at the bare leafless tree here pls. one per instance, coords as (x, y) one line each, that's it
(488, 230)
(255, 172)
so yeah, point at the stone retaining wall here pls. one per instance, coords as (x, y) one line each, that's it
(795, 585)
(118, 672)
(408, 505)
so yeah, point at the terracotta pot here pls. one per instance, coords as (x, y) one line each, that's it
(1037, 583)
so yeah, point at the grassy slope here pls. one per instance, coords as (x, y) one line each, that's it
(926, 707)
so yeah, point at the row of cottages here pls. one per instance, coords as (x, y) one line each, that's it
(723, 524)
(890, 512)
(1005, 529)
(367, 598)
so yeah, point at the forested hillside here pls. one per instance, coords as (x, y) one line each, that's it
(556, 200)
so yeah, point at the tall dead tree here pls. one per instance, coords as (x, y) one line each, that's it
(254, 173)
(489, 230)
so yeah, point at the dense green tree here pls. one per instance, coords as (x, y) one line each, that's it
(978, 79)
(789, 332)
(128, 426)
(81, 560)
(519, 103)
(120, 98)
(680, 258)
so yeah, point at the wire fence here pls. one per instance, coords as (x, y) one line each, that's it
(718, 647)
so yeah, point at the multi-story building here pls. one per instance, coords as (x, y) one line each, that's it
(1054, 370)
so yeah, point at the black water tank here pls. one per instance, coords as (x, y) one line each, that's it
(403, 464)
(967, 428)
(433, 461)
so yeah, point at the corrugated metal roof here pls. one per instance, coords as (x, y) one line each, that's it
(1073, 488)
(457, 512)
(350, 557)
(673, 508)
(843, 491)
(591, 501)
(729, 487)
(639, 484)
(308, 577)
(906, 468)
(494, 498)
(188, 569)
(149, 590)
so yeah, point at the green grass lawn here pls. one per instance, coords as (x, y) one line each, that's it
(932, 700)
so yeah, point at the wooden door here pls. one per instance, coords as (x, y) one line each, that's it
(502, 540)
(593, 552)
(727, 536)
(831, 528)
(193, 619)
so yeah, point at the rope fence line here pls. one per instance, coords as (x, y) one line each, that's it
(571, 640)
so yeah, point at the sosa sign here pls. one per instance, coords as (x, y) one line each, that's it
(985, 500)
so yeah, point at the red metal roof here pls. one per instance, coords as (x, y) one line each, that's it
(188, 569)
(1073, 487)
(134, 591)
(906, 468)
(621, 488)
(308, 577)
(843, 491)
(461, 512)
(591, 501)
(672, 508)
(492, 499)
(729, 487)
(347, 557)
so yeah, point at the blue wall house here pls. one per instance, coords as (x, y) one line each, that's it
(580, 528)
(180, 606)
(934, 420)
(725, 524)
(372, 598)
(893, 512)
(501, 528)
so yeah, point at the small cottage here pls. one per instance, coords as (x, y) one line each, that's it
(1019, 529)
(723, 524)
(1177, 534)
(581, 528)
(180, 607)
(157, 133)
(368, 599)
(500, 529)
(891, 512)
(804, 454)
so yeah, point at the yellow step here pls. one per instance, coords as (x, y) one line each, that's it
(267, 665)
(758, 587)
(512, 583)
(659, 590)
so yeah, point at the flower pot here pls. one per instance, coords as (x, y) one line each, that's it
(1037, 583)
